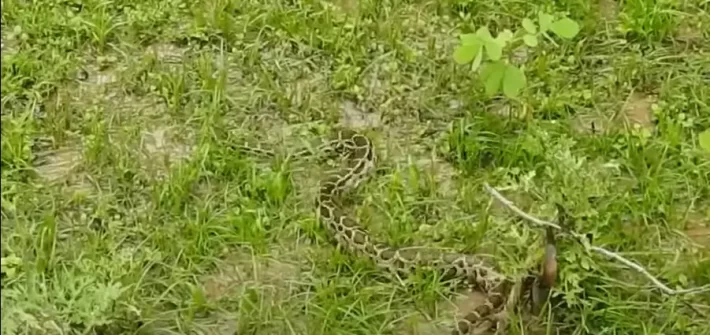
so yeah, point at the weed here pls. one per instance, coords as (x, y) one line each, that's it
(126, 210)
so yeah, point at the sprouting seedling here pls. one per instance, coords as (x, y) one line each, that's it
(485, 52)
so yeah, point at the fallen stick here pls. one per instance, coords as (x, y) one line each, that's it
(510, 205)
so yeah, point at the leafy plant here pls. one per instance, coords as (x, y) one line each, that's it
(496, 73)
(704, 140)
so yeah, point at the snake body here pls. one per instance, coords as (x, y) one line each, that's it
(360, 157)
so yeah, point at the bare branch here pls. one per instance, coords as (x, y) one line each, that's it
(643, 271)
(509, 204)
(517, 210)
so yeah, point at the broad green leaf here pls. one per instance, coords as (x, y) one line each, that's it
(484, 34)
(468, 39)
(530, 40)
(529, 26)
(477, 61)
(704, 139)
(544, 20)
(565, 28)
(494, 50)
(513, 81)
(492, 76)
(505, 36)
(466, 53)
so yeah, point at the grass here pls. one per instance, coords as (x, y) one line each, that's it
(125, 209)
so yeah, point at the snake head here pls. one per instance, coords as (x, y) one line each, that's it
(546, 280)
(549, 263)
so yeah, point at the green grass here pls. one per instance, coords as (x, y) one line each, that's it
(125, 209)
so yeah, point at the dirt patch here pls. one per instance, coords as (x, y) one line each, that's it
(699, 234)
(63, 165)
(348, 7)
(168, 53)
(608, 9)
(690, 31)
(11, 39)
(590, 123)
(277, 272)
(161, 150)
(354, 117)
(272, 280)
(58, 164)
(698, 227)
(638, 111)
(450, 312)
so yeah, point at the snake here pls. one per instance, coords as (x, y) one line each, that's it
(502, 292)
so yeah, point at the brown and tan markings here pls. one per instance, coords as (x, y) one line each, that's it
(502, 293)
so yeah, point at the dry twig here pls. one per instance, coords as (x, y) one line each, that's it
(509, 204)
